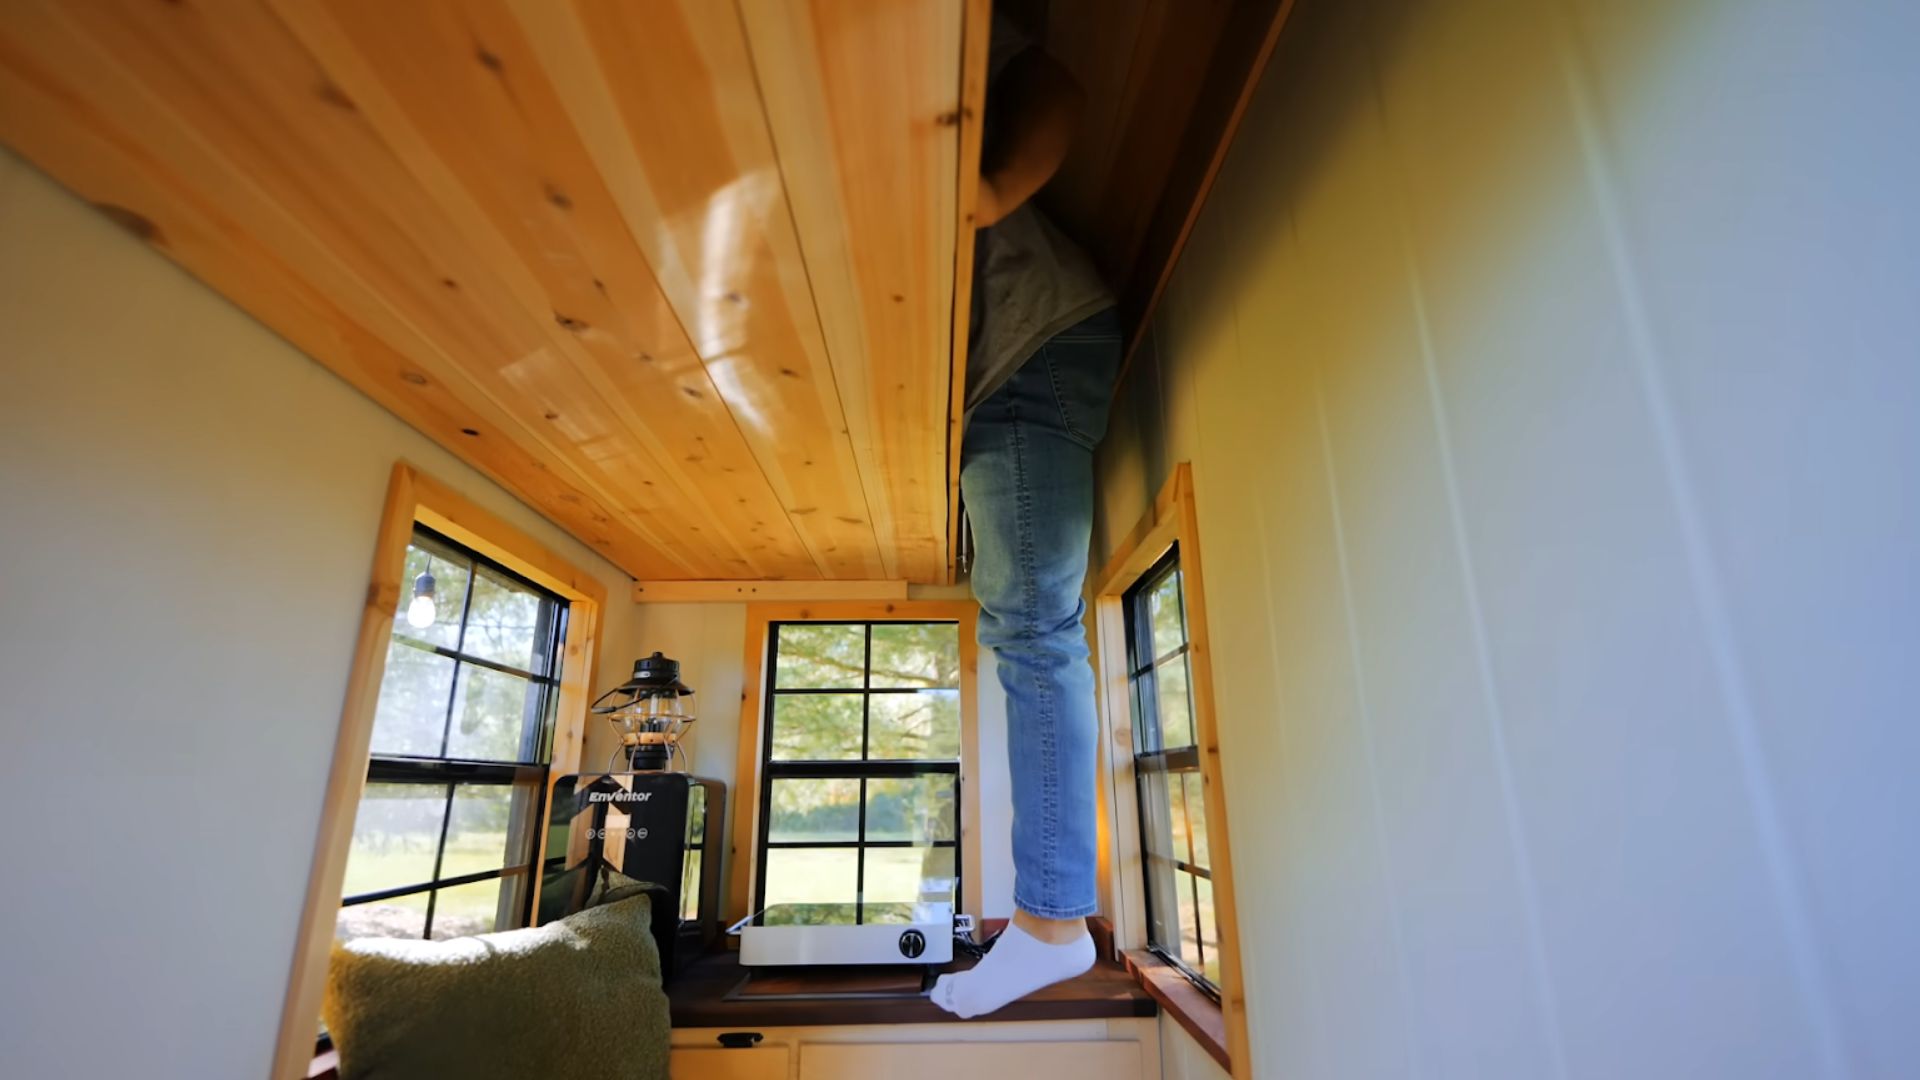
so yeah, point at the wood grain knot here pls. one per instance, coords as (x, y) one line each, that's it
(138, 224)
(328, 92)
(384, 597)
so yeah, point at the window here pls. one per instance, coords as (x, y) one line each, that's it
(859, 766)
(1182, 925)
(444, 838)
(424, 519)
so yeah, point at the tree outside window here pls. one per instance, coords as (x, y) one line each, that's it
(445, 834)
(1181, 922)
(860, 767)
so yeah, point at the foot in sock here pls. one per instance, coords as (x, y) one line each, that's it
(1017, 965)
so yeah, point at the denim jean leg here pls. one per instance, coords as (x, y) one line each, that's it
(1027, 477)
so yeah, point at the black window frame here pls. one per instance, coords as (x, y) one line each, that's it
(451, 773)
(1150, 757)
(861, 769)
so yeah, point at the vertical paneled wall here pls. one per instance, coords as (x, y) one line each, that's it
(1551, 374)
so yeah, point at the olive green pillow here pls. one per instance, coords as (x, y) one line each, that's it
(574, 998)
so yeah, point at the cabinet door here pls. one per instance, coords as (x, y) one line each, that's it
(969, 1060)
(719, 1063)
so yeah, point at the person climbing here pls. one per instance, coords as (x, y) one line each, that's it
(1046, 349)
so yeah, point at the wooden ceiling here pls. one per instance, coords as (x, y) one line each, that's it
(1166, 83)
(684, 275)
(679, 274)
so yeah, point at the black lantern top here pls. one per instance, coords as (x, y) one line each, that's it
(653, 676)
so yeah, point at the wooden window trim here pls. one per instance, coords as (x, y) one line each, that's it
(413, 497)
(1189, 1006)
(1171, 520)
(746, 815)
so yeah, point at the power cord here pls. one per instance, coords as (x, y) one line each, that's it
(967, 945)
(963, 938)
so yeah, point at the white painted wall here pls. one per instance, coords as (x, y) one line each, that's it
(1551, 374)
(187, 519)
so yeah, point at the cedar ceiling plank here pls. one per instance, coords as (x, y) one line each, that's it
(1095, 41)
(863, 103)
(670, 98)
(45, 113)
(457, 92)
(1171, 61)
(976, 37)
(245, 113)
(1165, 83)
(1245, 45)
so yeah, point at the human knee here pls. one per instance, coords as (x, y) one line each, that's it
(1040, 630)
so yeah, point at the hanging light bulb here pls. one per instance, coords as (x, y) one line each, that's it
(422, 612)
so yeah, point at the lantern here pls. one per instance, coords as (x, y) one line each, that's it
(651, 712)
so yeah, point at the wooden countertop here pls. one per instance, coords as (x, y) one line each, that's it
(703, 997)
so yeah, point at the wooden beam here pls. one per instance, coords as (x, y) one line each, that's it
(1233, 994)
(975, 37)
(730, 592)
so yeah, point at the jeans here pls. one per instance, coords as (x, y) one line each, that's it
(1026, 473)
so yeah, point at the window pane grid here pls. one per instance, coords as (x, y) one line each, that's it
(443, 883)
(900, 761)
(478, 661)
(1161, 661)
(493, 698)
(1179, 893)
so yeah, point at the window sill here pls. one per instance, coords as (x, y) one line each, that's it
(704, 996)
(1199, 1014)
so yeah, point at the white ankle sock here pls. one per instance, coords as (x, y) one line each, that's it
(1017, 965)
